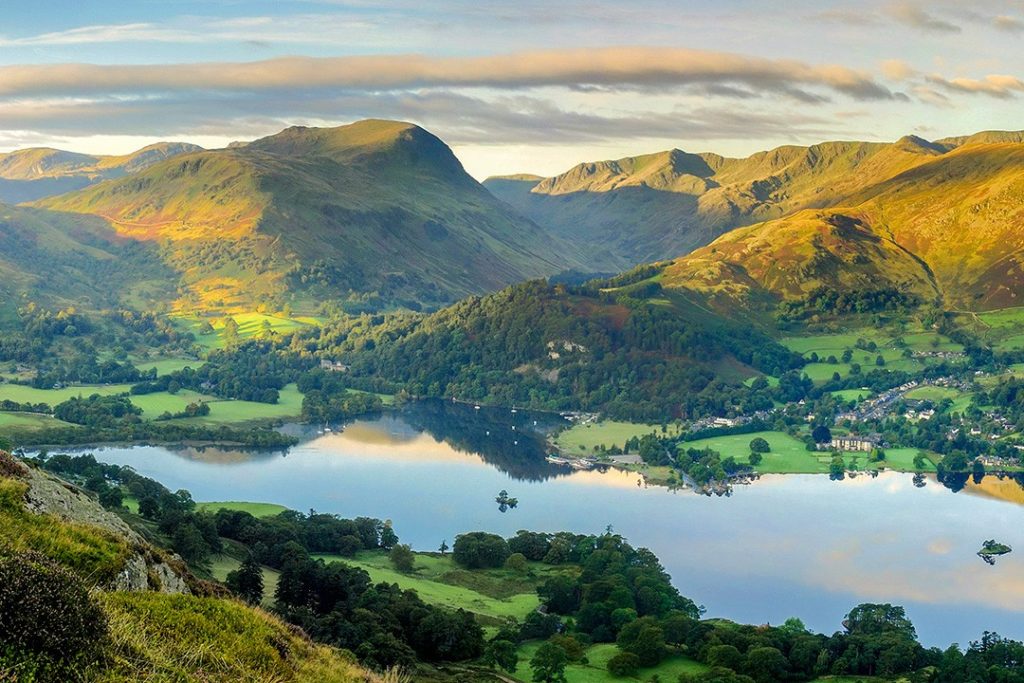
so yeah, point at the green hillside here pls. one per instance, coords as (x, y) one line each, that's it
(378, 209)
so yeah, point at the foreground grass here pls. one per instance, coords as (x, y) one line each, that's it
(596, 668)
(492, 594)
(185, 638)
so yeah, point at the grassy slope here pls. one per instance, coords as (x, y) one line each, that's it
(944, 227)
(170, 637)
(491, 594)
(596, 668)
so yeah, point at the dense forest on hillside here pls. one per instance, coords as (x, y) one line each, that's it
(559, 347)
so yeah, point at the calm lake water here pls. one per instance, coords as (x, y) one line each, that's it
(794, 545)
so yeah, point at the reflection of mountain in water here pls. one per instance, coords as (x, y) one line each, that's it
(510, 442)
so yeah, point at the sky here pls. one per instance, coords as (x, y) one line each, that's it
(524, 86)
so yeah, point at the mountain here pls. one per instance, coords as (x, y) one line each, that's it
(31, 174)
(73, 260)
(949, 230)
(646, 208)
(381, 209)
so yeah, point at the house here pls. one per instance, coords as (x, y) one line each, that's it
(725, 422)
(853, 443)
(333, 365)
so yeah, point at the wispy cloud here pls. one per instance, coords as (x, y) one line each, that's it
(1004, 22)
(913, 14)
(620, 66)
(994, 85)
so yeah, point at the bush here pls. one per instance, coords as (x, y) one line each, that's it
(516, 562)
(49, 624)
(479, 550)
(402, 558)
(759, 445)
(624, 664)
(10, 467)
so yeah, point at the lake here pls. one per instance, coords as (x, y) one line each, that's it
(786, 545)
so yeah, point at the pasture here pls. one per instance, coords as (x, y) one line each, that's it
(492, 594)
(596, 668)
(249, 325)
(254, 509)
(582, 438)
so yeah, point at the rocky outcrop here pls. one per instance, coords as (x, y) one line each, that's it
(146, 569)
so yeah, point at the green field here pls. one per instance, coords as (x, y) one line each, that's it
(790, 455)
(492, 594)
(29, 421)
(249, 325)
(225, 563)
(582, 438)
(254, 509)
(902, 459)
(386, 399)
(596, 668)
(934, 394)
(852, 394)
(226, 411)
(23, 394)
(165, 366)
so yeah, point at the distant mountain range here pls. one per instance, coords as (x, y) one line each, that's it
(652, 207)
(30, 174)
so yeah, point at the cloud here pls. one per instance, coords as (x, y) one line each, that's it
(847, 16)
(912, 14)
(897, 70)
(457, 118)
(994, 85)
(1005, 22)
(613, 67)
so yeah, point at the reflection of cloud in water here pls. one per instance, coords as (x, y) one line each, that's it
(856, 568)
(379, 432)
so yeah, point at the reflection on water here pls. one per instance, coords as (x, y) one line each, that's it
(786, 545)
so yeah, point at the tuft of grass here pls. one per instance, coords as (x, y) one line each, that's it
(95, 555)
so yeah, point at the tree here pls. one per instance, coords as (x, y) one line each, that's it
(247, 581)
(402, 558)
(480, 550)
(755, 459)
(821, 434)
(443, 548)
(388, 537)
(516, 562)
(766, 664)
(624, 664)
(502, 653)
(548, 664)
(759, 445)
(874, 618)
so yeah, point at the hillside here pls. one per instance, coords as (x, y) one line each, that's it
(64, 259)
(625, 346)
(85, 597)
(948, 229)
(30, 174)
(378, 208)
(649, 207)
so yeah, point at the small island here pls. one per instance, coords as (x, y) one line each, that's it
(991, 549)
(505, 502)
